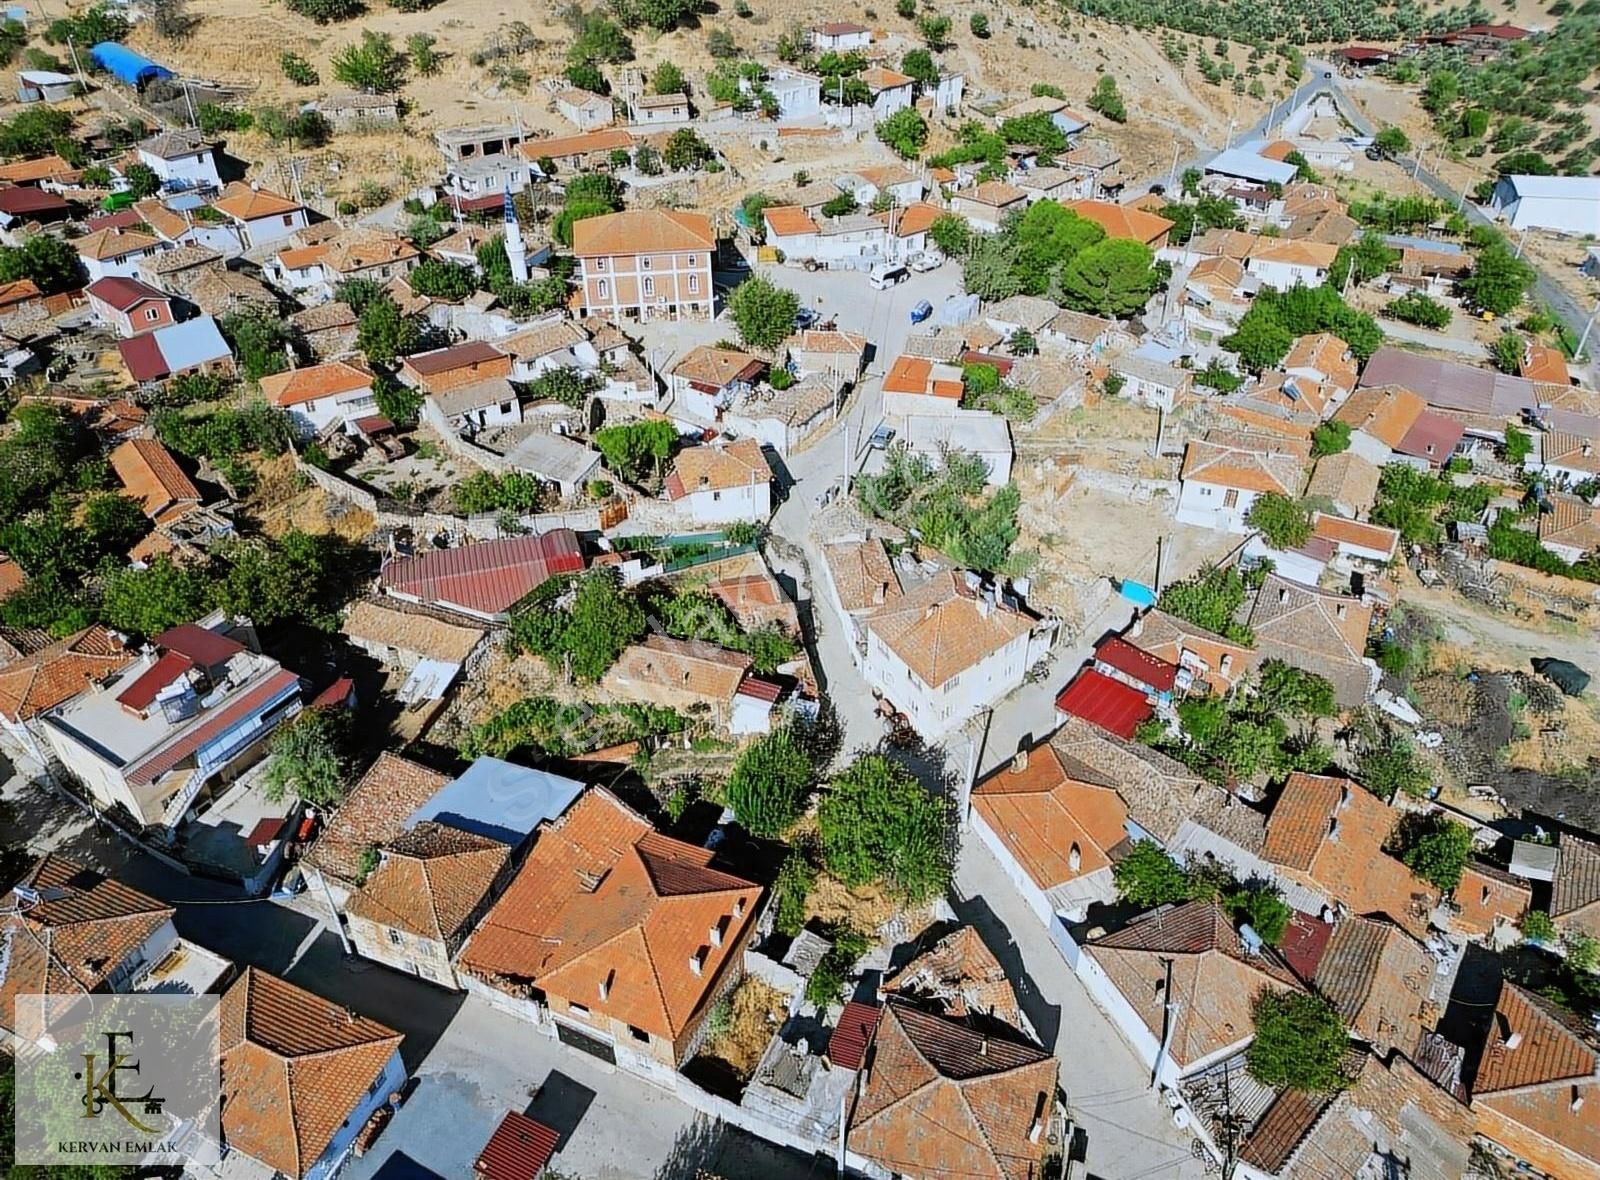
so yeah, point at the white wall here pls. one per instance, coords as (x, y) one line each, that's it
(752, 502)
(887, 102)
(263, 231)
(1205, 504)
(200, 168)
(935, 711)
(1284, 275)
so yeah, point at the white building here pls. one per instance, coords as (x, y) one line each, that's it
(182, 159)
(977, 433)
(660, 110)
(867, 184)
(840, 36)
(1282, 263)
(1566, 204)
(799, 96)
(855, 239)
(918, 385)
(721, 483)
(260, 217)
(1221, 479)
(319, 395)
(1150, 381)
(891, 91)
(585, 111)
(949, 648)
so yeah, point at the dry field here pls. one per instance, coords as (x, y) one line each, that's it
(238, 42)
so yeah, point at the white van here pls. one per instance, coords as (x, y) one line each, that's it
(886, 277)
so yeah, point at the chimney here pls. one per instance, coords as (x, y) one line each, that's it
(1577, 1100)
(983, 1047)
(1283, 594)
(716, 932)
(879, 593)
(1342, 610)
(1333, 829)
(697, 962)
(1074, 857)
(605, 985)
(1344, 796)
(1038, 1128)
(932, 607)
(1019, 761)
(738, 909)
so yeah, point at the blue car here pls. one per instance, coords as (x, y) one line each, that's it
(921, 312)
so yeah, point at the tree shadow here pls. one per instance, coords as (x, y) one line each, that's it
(1043, 1015)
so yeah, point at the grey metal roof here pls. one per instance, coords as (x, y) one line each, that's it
(499, 800)
(195, 342)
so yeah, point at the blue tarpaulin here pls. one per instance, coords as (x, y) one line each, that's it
(1137, 593)
(128, 67)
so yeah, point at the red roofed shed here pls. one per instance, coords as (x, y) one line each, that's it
(1105, 702)
(1138, 666)
(484, 580)
(850, 1036)
(519, 1149)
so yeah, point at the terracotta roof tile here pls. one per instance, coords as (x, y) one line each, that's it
(1385, 412)
(787, 221)
(314, 381)
(105, 244)
(1043, 815)
(1374, 537)
(239, 200)
(607, 139)
(1251, 469)
(863, 576)
(717, 367)
(642, 231)
(68, 943)
(1573, 522)
(941, 628)
(1315, 630)
(1121, 221)
(152, 476)
(59, 672)
(608, 913)
(373, 814)
(718, 467)
(294, 1068)
(430, 882)
(940, 1098)
(425, 633)
(960, 978)
(1347, 479)
(995, 193)
(1214, 979)
(1577, 879)
(686, 668)
(1378, 977)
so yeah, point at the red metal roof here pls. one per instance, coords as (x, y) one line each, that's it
(123, 293)
(472, 352)
(761, 690)
(1304, 941)
(336, 693)
(142, 693)
(1001, 364)
(1105, 702)
(121, 219)
(519, 1149)
(143, 357)
(30, 202)
(1433, 437)
(265, 831)
(214, 726)
(1140, 665)
(848, 1044)
(205, 647)
(488, 578)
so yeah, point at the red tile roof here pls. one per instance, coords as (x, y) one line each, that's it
(488, 578)
(1105, 702)
(142, 693)
(848, 1044)
(1433, 437)
(519, 1149)
(1118, 653)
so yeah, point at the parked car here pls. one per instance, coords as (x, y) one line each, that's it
(804, 318)
(881, 438)
(923, 263)
(921, 311)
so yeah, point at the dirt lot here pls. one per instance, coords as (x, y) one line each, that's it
(238, 42)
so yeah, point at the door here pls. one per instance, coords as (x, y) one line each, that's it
(583, 1041)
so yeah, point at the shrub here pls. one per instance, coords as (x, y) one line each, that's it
(1148, 877)
(979, 24)
(1537, 926)
(792, 886)
(1330, 438)
(879, 824)
(1417, 308)
(1263, 911)
(1435, 848)
(1107, 100)
(768, 784)
(1300, 1043)
(833, 972)
(1283, 522)
(297, 69)
(326, 11)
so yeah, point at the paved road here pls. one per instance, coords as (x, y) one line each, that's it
(1130, 1135)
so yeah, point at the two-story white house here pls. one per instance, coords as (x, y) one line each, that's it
(260, 217)
(949, 648)
(181, 158)
(707, 381)
(157, 738)
(721, 483)
(319, 395)
(1223, 475)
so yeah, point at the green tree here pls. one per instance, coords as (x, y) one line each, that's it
(34, 132)
(585, 75)
(1392, 141)
(1519, 445)
(685, 150)
(918, 65)
(1282, 521)
(796, 876)
(1498, 280)
(148, 601)
(878, 824)
(1300, 1043)
(768, 784)
(597, 38)
(259, 340)
(1210, 600)
(1436, 849)
(665, 15)
(979, 24)
(142, 180)
(951, 234)
(1260, 341)
(840, 205)
(1284, 690)
(905, 132)
(50, 262)
(1391, 765)
(1107, 100)
(297, 69)
(1366, 259)
(309, 758)
(667, 79)
(629, 448)
(371, 64)
(401, 404)
(1330, 438)
(1263, 911)
(935, 30)
(326, 11)
(299, 578)
(384, 332)
(421, 48)
(1417, 308)
(1147, 877)
(1111, 278)
(1507, 352)
(763, 312)
(438, 279)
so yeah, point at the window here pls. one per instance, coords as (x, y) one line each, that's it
(288, 219)
(599, 263)
(694, 284)
(649, 286)
(577, 1009)
(396, 938)
(1231, 498)
(638, 1034)
(152, 314)
(603, 288)
(505, 407)
(689, 261)
(716, 495)
(644, 264)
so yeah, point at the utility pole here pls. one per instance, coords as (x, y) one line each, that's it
(1521, 242)
(77, 65)
(1584, 339)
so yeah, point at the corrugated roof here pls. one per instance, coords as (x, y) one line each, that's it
(519, 1149)
(1140, 665)
(848, 1043)
(1105, 702)
(488, 578)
